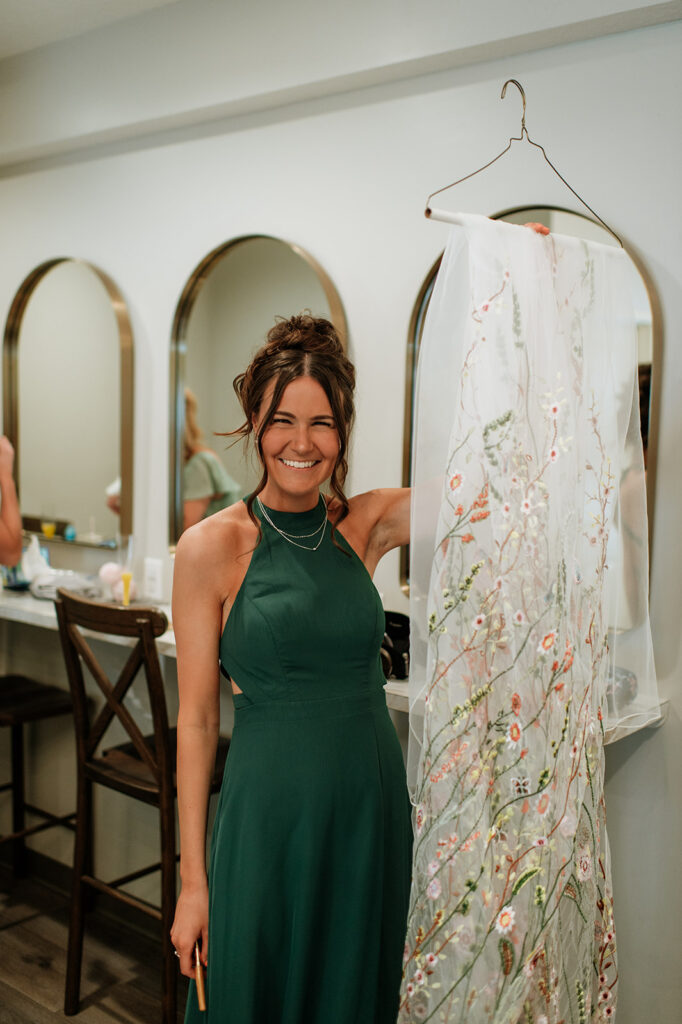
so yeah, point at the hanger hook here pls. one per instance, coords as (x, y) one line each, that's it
(512, 81)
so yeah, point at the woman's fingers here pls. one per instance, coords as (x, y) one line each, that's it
(204, 946)
(185, 954)
(539, 228)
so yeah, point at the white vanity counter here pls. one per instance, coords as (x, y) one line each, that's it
(21, 606)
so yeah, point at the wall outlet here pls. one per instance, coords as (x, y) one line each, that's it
(153, 579)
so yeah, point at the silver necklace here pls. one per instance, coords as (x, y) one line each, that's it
(289, 537)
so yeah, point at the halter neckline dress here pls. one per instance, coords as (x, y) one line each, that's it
(310, 862)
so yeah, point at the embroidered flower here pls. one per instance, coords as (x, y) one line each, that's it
(519, 617)
(506, 510)
(420, 1011)
(547, 643)
(409, 988)
(505, 920)
(540, 841)
(516, 703)
(467, 538)
(432, 868)
(542, 804)
(605, 995)
(567, 826)
(419, 977)
(609, 1011)
(459, 510)
(431, 959)
(513, 734)
(420, 819)
(434, 889)
(478, 621)
(526, 506)
(456, 481)
(553, 454)
(584, 864)
(406, 953)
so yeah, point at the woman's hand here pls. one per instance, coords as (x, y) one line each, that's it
(190, 925)
(540, 229)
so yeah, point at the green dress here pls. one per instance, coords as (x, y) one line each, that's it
(310, 864)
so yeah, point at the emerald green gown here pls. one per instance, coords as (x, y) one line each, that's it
(310, 863)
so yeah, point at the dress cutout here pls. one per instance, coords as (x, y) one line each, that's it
(528, 576)
(311, 851)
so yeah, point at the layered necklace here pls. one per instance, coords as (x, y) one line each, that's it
(293, 538)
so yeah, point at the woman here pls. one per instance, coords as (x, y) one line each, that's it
(304, 917)
(207, 487)
(10, 517)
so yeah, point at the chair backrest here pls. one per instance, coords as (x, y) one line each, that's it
(80, 619)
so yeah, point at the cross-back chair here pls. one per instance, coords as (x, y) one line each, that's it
(142, 768)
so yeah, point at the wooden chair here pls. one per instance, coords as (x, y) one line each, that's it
(24, 700)
(143, 768)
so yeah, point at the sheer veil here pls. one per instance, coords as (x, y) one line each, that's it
(531, 642)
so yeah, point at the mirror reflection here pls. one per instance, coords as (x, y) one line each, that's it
(66, 340)
(227, 307)
(565, 222)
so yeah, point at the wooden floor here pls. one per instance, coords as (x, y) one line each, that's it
(121, 979)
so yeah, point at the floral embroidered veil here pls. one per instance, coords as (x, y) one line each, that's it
(531, 641)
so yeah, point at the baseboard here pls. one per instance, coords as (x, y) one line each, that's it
(57, 876)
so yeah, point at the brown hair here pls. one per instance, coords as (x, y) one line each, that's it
(302, 346)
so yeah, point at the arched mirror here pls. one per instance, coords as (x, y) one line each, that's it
(647, 310)
(68, 403)
(226, 308)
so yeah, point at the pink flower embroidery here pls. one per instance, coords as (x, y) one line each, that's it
(434, 889)
(456, 481)
(543, 804)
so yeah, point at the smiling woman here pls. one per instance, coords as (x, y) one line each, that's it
(312, 842)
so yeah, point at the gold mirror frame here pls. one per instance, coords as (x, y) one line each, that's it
(10, 365)
(414, 336)
(183, 311)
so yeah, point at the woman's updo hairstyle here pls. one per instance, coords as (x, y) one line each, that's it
(302, 346)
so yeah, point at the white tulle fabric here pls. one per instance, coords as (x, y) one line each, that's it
(531, 643)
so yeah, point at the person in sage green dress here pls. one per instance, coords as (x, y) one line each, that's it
(301, 917)
(207, 487)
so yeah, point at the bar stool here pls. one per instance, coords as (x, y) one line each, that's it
(24, 700)
(143, 768)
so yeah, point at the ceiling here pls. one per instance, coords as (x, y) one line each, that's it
(28, 24)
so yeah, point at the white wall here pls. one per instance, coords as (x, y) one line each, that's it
(346, 176)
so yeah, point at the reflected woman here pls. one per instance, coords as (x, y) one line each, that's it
(303, 915)
(207, 487)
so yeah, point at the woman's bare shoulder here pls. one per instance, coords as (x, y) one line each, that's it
(219, 538)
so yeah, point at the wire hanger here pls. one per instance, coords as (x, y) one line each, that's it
(443, 215)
